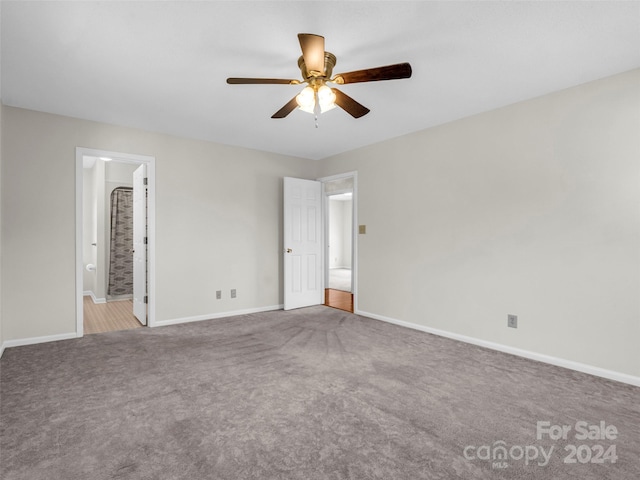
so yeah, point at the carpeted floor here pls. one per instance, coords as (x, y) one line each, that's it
(340, 279)
(307, 394)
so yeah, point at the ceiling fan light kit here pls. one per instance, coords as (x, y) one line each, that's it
(310, 99)
(316, 66)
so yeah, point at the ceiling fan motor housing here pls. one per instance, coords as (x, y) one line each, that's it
(313, 77)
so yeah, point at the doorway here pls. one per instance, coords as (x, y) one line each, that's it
(307, 252)
(339, 241)
(115, 234)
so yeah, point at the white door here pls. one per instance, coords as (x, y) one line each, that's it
(140, 244)
(302, 243)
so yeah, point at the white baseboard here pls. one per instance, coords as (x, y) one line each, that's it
(559, 362)
(1, 349)
(212, 316)
(89, 293)
(20, 342)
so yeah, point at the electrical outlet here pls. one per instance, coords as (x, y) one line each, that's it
(233, 293)
(218, 294)
(512, 321)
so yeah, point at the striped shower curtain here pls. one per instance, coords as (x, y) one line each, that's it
(121, 251)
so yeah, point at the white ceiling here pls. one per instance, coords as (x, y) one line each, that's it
(162, 65)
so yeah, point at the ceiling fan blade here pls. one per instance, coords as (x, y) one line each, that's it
(246, 81)
(287, 109)
(349, 105)
(389, 72)
(313, 52)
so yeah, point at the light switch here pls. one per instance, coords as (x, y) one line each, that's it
(362, 229)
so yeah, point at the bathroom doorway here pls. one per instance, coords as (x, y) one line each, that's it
(114, 241)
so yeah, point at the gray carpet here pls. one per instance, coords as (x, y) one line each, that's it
(308, 394)
(340, 279)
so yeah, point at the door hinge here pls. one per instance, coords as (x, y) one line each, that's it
(146, 240)
(145, 180)
(146, 299)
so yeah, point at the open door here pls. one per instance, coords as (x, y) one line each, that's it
(302, 243)
(140, 244)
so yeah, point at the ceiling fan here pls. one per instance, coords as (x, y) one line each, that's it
(316, 66)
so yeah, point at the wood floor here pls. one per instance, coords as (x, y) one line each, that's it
(338, 299)
(108, 317)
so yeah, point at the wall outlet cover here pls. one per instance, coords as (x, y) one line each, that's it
(512, 321)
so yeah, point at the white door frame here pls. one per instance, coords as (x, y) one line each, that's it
(81, 152)
(354, 231)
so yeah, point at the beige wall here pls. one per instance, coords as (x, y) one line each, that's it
(531, 210)
(218, 221)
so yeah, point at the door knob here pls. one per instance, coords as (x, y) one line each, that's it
(289, 250)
